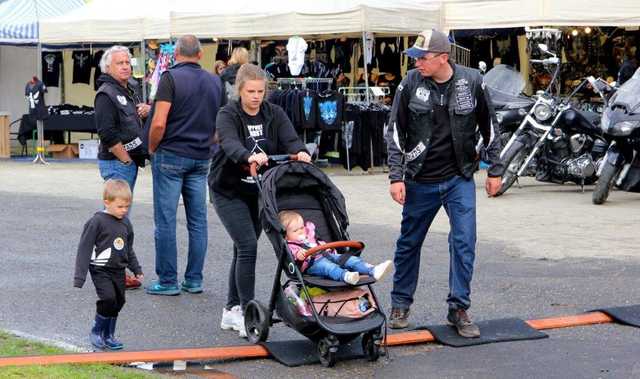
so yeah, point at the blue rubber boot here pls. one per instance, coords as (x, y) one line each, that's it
(100, 324)
(109, 335)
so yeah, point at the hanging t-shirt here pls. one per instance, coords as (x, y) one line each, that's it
(51, 62)
(308, 105)
(330, 110)
(296, 47)
(81, 66)
(96, 63)
(35, 97)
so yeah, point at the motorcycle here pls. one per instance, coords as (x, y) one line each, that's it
(505, 85)
(555, 142)
(621, 127)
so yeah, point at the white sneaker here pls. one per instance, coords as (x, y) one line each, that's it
(381, 270)
(351, 277)
(232, 319)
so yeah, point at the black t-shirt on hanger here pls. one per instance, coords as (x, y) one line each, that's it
(35, 97)
(309, 111)
(51, 62)
(330, 110)
(81, 66)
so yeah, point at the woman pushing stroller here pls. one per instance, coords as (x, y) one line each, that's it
(249, 130)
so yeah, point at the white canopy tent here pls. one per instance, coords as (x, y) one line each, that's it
(109, 21)
(485, 14)
(245, 19)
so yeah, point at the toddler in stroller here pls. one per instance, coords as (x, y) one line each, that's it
(301, 237)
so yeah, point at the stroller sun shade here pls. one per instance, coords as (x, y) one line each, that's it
(306, 189)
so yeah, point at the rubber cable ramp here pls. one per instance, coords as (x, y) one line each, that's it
(627, 315)
(500, 330)
(303, 352)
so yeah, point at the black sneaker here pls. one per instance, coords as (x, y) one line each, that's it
(399, 318)
(460, 319)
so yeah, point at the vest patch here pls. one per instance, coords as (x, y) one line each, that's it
(415, 153)
(122, 99)
(423, 94)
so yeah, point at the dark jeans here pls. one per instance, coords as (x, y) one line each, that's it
(110, 288)
(458, 197)
(173, 176)
(239, 215)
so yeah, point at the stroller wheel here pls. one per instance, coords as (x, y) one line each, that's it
(371, 346)
(327, 349)
(256, 322)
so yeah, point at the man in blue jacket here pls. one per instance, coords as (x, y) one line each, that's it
(181, 141)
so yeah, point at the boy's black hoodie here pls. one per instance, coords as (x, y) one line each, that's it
(106, 241)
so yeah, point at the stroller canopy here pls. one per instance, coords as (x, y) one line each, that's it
(298, 185)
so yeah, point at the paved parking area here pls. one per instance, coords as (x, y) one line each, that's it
(544, 250)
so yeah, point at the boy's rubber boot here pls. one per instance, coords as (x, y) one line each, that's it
(100, 324)
(109, 335)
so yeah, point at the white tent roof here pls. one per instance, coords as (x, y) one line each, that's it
(109, 21)
(104, 20)
(250, 18)
(480, 14)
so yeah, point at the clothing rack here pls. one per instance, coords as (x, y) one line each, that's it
(358, 95)
(303, 82)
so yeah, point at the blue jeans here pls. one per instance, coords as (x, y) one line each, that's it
(422, 202)
(114, 169)
(328, 267)
(174, 175)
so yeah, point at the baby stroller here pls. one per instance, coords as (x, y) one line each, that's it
(307, 190)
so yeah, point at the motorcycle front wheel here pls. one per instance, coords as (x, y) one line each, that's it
(513, 160)
(605, 183)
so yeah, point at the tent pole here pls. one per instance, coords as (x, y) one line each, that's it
(40, 125)
(144, 70)
(364, 63)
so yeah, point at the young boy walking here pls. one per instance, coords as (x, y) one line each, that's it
(105, 250)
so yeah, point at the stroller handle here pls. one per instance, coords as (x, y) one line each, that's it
(333, 245)
(253, 167)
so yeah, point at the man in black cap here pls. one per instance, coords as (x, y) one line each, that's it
(432, 159)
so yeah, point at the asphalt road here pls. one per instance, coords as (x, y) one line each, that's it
(39, 232)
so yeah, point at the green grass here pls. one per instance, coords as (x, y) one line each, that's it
(14, 346)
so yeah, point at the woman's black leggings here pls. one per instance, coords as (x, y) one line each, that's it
(239, 215)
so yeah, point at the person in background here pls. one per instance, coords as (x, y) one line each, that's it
(629, 66)
(239, 56)
(219, 67)
(181, 141)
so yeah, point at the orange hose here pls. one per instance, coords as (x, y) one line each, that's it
(257, 351)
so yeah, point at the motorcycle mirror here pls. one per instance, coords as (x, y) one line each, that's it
(482, 66)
